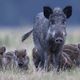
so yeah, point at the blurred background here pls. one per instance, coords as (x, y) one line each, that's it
(17, 17)
(22, 12)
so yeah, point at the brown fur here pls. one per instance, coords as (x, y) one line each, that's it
(22, 59)
(2, 50)
(72, 50)
(8, 60)
(36, 57)
(64, 62)
(34, 53)
(79, 46)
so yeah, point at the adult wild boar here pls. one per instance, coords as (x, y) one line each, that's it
(49, 33)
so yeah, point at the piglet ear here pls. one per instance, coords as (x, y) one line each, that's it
(47, 11)
(2, 50)
(68, 11)
(79, 46)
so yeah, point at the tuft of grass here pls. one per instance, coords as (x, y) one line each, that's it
(40, 75)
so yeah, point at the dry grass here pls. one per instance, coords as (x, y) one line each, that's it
(11, 38)
(40, 75)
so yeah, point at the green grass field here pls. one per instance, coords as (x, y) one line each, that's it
(11, 38)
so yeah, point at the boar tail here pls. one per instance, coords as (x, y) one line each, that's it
(25, 36)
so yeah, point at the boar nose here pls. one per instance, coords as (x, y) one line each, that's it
(59, 40)
(20, 64)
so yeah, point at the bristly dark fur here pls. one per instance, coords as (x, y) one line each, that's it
(50, 25)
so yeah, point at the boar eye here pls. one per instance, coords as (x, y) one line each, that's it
(63, 21)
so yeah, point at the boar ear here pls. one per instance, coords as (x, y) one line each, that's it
(2, 50)
(47, 11)
(68, 11)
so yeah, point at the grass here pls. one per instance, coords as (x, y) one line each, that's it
(40, 75)
(11, 38)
